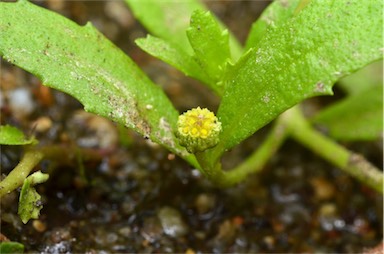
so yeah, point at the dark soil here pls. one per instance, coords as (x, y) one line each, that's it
(119, 193)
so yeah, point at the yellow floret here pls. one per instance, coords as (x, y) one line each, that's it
(198, 129)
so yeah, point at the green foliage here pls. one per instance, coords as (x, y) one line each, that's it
(296, 50)
(83, 63)
(211, 51)
(210, 44)
(10, 135)
(274, 15)
(358, 117)
(169, 19)
(30, 202)
(299, 59)
(11, 247)
(175, 56)
(366, 78)
(166, 19)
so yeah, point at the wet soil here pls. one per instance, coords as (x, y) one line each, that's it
(120, 193)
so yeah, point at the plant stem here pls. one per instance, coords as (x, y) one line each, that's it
(293, 123)
(352, 163)
(253, 164)
(260, 157)
(17, 176)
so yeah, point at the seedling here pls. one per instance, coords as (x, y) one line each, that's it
(295, 50)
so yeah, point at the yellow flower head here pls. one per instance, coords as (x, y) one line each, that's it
(198, 129)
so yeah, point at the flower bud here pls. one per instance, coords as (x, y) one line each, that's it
(198, 129)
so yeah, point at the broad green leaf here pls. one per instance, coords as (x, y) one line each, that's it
(175, 56)
(299, 59)
(10, 135)
(358, 117)
(274, 15)
(83, 63)
(210, 45)
(366, 78)
(168, 20)
(11, 247)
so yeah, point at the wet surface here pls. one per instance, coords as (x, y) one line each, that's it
(125, 194)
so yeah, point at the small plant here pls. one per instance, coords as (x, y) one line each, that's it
(295, 50)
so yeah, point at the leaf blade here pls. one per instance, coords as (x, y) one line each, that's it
(297, 61)
(366, 78)
(358, 117)
(275, 14)
(83, 63)
(174, 56)
(168, 19)
(210, 44)
(10, 135)
(29, 202)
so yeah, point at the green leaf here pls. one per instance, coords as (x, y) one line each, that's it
(168, 20)
(358, 117)
(210, 44)
(274, 15)
(11, 247)
(10, 135)
(29, 202)
(366, 78)
(174, 56)
(83, 63)
(301, 58)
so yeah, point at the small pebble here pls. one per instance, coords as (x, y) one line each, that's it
(190, 251)
(152, 229)
(227, 232)
(111, 238)
(42, 124)
(125, 231)
(60, 234)
(39, 226)
(21, 102)
(204, 203)
(323, 189)
(269, 241)
(328, 209)
(93, 131)
(171, 156)
(61, 247)
(118, 11)
(57, 5)
(172, 223)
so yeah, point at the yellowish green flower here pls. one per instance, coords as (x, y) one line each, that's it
(198, 129)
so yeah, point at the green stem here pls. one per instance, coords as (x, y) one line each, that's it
(260, 157)
(17, 176)
(293, 123)
(253, 164)
(211, 169)
(352, 163)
